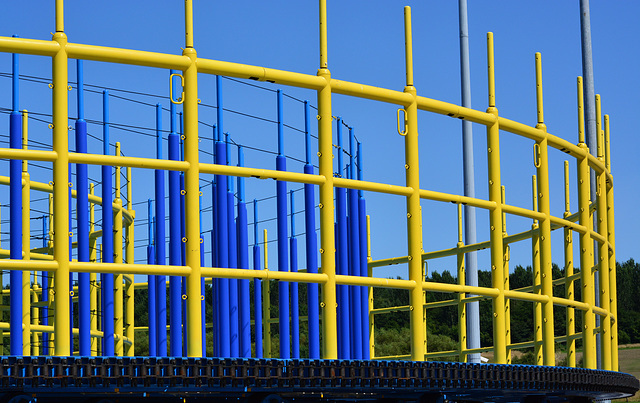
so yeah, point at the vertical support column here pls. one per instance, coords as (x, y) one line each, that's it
(107, 240)
(586, 243)
(327, 235)
(414, 214)
(506, 258)
(61, 254)
(603, 248)
(370, 296)
(243, 263)
(495, 217)
(50, 282)
(354, 252)
(130, 259)
(541, 160)
(192, 196)
(364, 272)
(15, 218)
(462, 306)
(93, 277)
(295, 312)
(151, 285)
(342, 261)
(311, 243)
(537, 287)
(82, 210)
(612, 253)
(160, 245)
(26, 242)
(266, 305)
(257, 285)
(568, 273)
(118, 301)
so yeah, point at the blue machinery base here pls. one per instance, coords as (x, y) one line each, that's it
(129, 379)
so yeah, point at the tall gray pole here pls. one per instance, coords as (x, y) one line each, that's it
(590, 124)
(473, 311)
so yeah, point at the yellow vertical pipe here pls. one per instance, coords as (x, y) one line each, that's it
(118, 303)
(586, 243)
(372, 335)
(327, 235)
(51, 282)
(61, 188)
(130, 259)
(568, 273)
(495, 217)
(266, 304)
(1, 302)
(535, 263)
(414, 216)
(542, 165)
(603, 248)
(613, 286)
(93, 277)
(505, 265)
(192, 196)
(35, 318)
(462, 306)
(26, 242)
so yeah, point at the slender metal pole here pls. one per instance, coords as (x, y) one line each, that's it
(107, 240)
(471, 261)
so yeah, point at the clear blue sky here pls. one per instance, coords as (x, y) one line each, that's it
(366, 45)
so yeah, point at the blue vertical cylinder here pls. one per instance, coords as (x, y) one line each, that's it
(214, 281)
(233, 262)
(354, 254)
(344, 340)
(161, 254)
(364, 268)
(283, 254)
(151, 286)
(311, 246)
(82, 223)
(107, 240)
(175, 239)
(295, 313)
(257, 283)
(15, 214)
(243, 263)
(221, 230)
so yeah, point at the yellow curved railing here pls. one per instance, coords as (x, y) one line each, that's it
(60, 51)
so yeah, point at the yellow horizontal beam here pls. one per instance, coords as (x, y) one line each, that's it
(124, 268)
(258, 73)
(443, 287)
(261, 173)
(127, 56)
(375, 282)
(451, 198)
(372, 186)
(133, 162)
(371, 92)
(219, 272)
(32, 155)
(28, 46)
(455, 111)
(42, 265)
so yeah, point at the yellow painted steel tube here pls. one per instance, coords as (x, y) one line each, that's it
(26, 242)
(123, 268)
(541, 161)
(28, 46)
(462, 306)
(370, 92)
(505, 271)
(127, 56)
(93, 277)
(446, 197)
(192, 202)
(586, 255)
(61, 194)
(118, 302)
(261, 173)
(372, 186)
(570, 324)
(537, 277)
(370, 294)
(603, 251)
(495, 217)
(129, 287)
(298, 277)
(134, 162)
(612, 256)
(35, 320)
(33, 155)
(327, 235)
(414, 213)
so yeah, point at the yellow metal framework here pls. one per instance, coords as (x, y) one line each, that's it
(56, 258)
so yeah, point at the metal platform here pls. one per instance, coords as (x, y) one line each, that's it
(128, 379)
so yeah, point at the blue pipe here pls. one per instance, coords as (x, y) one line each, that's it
(233, 260)
(214, 282)
(283, 254)
(161, 254)
(15, 214)
(175, 240)
(45, 289)
(257, 284)
(221, 238)
(107, 241)
(295, 312)
(243, 263)
(311, 246)
(344, 340)
(151, 285)
(82, 223)
(354, 254)
(364, 268)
